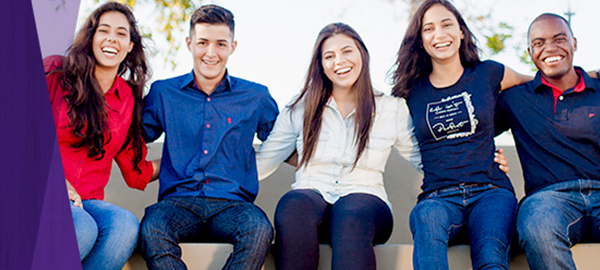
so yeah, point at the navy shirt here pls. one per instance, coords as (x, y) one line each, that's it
(455, 128)
(208, 148)
(553, 147)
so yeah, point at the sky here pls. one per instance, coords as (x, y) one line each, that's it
(276, 38)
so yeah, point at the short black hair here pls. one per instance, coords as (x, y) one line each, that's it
(545, 16)
(212, 14)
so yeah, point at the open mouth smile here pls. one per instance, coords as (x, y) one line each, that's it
(109, 50)
(442, 45)
(552, 59)
(343, 71)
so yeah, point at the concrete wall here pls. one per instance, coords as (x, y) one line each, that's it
(402, 184)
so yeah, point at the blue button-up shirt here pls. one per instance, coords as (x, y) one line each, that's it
(208, 148)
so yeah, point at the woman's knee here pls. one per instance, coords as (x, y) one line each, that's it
(304, 203)
(427, 212)
(86, 230)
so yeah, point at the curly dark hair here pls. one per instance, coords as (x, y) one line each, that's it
(85, 98)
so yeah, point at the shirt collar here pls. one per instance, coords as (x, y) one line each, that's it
(585, 82)
(119, 85)
(224, 85)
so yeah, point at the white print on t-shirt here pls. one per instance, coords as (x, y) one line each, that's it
(452, 117)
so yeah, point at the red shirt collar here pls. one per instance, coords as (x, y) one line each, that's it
(119, 85)
(557, 92)
(577, 89)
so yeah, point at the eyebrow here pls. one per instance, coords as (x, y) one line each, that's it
(347, 46)
(443, 20)
(107, 25)
(555, 36)
(206, 39)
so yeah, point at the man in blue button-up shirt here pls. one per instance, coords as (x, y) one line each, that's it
(208, 177)
(555, 121)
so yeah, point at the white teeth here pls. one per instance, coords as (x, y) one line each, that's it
(439, 45)
(109, 50)
(343, 70)
(210, 63)
(552, 59)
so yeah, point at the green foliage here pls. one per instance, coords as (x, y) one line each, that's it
(524, 58)
(496, 42)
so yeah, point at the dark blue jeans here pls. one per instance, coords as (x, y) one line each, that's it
(187, 218)
(481, 215)
(352, 225)
(555, 218)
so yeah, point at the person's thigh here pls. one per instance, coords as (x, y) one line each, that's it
(117, 235)
(434, 222)
(300, 219)
(86, 230)
(491, 224)
(164, 225)
(593, 217)
(549, 222)
(245, 226)
(356, 223)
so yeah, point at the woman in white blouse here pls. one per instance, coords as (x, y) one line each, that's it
(343, 131)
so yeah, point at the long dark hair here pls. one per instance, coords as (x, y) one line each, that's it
(85, 98)
(318, 89)
(413, 61)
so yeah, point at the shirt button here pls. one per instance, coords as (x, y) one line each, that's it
(80, 162)
(561, 98)
(207, 125)
(76, 182)
(208, 99)
(205, 152)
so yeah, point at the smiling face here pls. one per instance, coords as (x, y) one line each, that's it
(441, 34)
(551, 47)
(341, 60)
(210, 45)
(111, 41)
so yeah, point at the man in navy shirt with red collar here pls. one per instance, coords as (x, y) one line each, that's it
(208, 176)
(555, 121)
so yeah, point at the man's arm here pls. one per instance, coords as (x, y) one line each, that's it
(152, 127)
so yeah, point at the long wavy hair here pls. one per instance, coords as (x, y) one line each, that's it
(318, 89)
(413, 61)
(85, 99)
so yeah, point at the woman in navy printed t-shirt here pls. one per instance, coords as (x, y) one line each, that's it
(451, 95)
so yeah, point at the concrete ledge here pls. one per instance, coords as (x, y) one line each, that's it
(389, 257)
(402, 184)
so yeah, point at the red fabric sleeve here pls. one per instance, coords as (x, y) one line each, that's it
(131, 176)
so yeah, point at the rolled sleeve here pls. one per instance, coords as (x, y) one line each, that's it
(278, 146)
(132, 177)
(406, 142)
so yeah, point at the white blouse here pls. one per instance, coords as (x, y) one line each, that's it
(329, 172)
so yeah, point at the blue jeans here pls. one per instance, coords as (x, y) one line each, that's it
(179, 219)
(555, 218)
(106, 234)
(481, 215)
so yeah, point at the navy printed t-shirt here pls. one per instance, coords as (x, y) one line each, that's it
(455, 128)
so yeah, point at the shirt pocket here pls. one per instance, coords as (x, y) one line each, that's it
(325, 149)
(376, 153)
